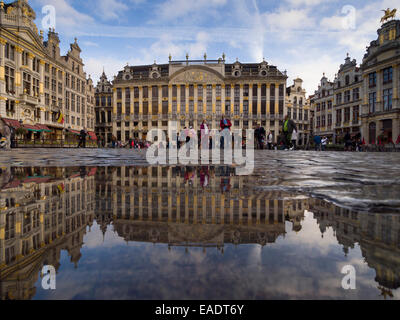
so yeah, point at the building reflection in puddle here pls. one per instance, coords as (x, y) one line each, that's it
(47, 210)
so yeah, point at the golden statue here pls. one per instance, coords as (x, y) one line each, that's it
(388, 14)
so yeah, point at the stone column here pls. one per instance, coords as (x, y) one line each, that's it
(2, 77)
(123, 115)
(214, 99)
(178, 100)
(258, 101)
(18, 75)
(251, 100)
(223, 93)
(395, 85)
(187, 99)
(379, 100)
(269, 99)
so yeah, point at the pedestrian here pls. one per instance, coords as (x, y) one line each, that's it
(317, 142)
(324, 143)
(347, 142)
(294, 140)
(205, 132)
(82, 139)
(270, 140)
(225, 126)
(288, 127)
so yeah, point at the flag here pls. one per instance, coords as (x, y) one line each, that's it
(398, 140)
(61, 118)
(61, 188)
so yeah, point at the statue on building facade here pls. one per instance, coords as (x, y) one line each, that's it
(388, 14)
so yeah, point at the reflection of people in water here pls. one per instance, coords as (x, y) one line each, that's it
(225, 184)
(190, 174)
(204, 177)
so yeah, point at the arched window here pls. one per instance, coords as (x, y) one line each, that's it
(295, 100)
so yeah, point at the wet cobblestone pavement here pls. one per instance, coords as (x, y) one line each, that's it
(116, 228)
(362, 181)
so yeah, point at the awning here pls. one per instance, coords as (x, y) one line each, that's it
(43, 128)
(92, 136)
(31, 128)
(74, 132)
(12, 123)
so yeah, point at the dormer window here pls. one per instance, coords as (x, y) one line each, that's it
(54, 51)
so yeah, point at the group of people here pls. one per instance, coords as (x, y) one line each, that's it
(320, 143)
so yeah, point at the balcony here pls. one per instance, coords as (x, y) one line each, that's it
(28, 99)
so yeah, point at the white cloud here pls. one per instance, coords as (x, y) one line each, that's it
(173, 9)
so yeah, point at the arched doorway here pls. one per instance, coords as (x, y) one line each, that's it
(372, 133)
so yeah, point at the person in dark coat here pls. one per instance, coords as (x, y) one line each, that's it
(288, 127)
(82, 139)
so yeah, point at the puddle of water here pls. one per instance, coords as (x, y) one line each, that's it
(185, 233)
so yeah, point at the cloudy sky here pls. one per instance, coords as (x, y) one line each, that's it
(304, 37)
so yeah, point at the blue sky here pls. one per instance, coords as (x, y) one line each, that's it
(304, 37)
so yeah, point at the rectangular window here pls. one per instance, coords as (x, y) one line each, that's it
(339, 117)
(372, 79)
(356, 114)
(387, 75)
(10, 51)
(347, 115)
(387, 99)
(339, 98)
(27, 83)
(347, 96)
(356, 94)
(323, 121)
(10, 80)
(372, 102)
(330, 120)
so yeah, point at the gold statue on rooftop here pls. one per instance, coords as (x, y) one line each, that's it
(388, 14)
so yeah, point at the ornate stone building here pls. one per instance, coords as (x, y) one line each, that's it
(347, 99)
(40, 90)
(104, 109)
(42, 211)
(364, 99)
(298, 107)
(381, 74)
(184, 93)
(322, 104)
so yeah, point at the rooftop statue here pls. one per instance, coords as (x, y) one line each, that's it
(388, 14)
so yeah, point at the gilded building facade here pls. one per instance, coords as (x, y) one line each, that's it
(381, 75)
(40, 90)
(193, 207)
(364, 99)
(322, 104)
(378, 236)
(298, 107)
(184, 93)
(347, 99)
(104, 109)
(42, 211)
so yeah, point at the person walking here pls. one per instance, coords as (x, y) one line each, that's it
(294, 140)
(225, 126)
(270, 140)
(288, 127)
(82, 139)
(317, 142)
(205, 132)
(324, 143)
